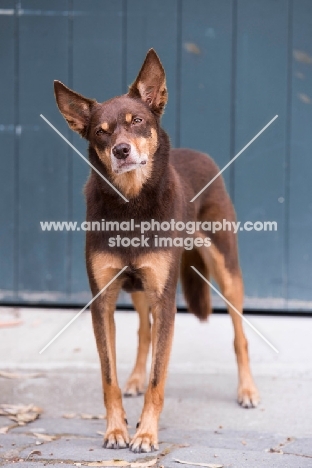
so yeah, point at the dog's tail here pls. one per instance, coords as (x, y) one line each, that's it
(196, 290)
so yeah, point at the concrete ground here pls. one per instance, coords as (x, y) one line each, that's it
(201, 421)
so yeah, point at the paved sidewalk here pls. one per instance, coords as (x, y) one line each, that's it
(201, 421)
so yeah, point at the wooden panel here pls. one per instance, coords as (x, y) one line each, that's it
(230, 65)
(43, 157)
(7, 157)
(151, 26)
(261, 93)
(300, 194)
(97, 73)
(206, 77)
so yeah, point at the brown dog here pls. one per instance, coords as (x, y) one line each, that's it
(130, 149)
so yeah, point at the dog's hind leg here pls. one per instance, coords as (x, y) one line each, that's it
(136, 382)
(230, 282)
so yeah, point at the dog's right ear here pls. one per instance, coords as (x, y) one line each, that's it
(150, 84)
(75, 108)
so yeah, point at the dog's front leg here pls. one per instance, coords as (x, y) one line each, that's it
(116, 435)
(163, 312)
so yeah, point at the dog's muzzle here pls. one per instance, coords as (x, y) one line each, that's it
(125, 158)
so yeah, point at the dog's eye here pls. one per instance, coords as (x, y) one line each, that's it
(100, 131)
(136, 120)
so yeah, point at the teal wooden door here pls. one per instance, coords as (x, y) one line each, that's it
(231, 66)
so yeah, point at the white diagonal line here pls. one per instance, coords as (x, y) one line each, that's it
(82, 310)
(82, 156)
(234, 308)
(235, 157)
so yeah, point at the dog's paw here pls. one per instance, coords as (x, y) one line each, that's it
(248, 396)
(144, 442)
(116, 439)
(135, 385)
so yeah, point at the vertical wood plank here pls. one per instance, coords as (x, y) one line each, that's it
(261, 93)
(43, 162)
(206, 77)
(7, 155)
(300, 194)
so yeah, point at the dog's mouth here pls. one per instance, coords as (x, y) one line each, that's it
(127, 165)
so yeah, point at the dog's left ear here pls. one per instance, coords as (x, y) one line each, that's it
(75, 108)
(150, 84)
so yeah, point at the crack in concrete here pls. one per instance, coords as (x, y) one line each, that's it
(298, 454)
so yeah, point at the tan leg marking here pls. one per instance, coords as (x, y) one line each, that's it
(146, 437)
(136, 382)
(231, 285)
(104, 268)
(102, 261)
(156, 269)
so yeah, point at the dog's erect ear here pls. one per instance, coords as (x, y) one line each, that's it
(150, 84)
(75, 108)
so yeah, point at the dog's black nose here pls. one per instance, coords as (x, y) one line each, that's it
(121, 151)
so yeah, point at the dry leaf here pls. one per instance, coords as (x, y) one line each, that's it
(86, 416)
(33, 452)
(45, 437)
(91, 416)
(144, 464)
(244, 442)
(276, 450)
(5, 429)
(11, 323)
(16, 375)
(22, 414)
(69, 415)
(123, 463)
(192, 48)
(111, 463)
(207, 465)
(166, 451)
